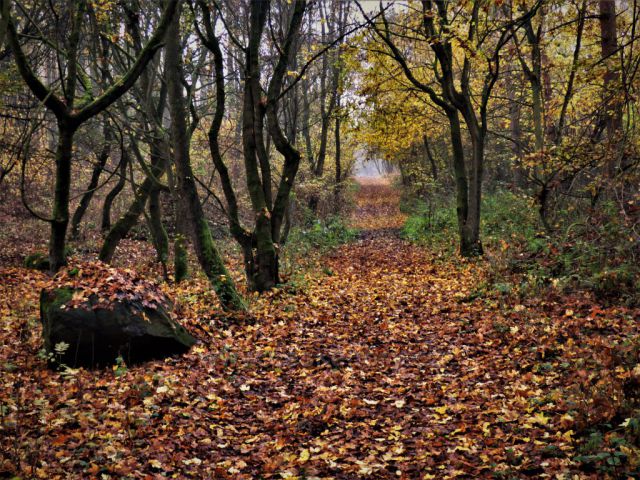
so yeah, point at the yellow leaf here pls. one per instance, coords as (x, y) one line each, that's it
(539, 418)
(441, 410)
(304, 455)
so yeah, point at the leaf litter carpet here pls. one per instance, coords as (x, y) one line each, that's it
(381, 364)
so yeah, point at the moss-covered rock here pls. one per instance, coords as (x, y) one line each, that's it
(96, 332)
(37, 261)
(40, 261)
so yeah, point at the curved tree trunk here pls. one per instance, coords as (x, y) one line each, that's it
(158, 232)
(93, 183)
(124, 225)
(115, 191)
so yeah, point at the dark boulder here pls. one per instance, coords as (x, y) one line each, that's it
(97, 332)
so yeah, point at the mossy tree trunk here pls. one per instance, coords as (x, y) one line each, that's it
(123, 226)
(260, 245)
(189, 201)
(156, 227)
(60, 217)
(180, 259)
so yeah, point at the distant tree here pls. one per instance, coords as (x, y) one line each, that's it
(487, 30)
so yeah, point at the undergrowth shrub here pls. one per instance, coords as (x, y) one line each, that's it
(309, 241)
(590, 250)
(320, 235)
(430, 223)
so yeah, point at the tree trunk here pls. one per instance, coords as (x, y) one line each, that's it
(189, 201)
(93, 183)
(115, 191)
(122, 227)
(338, 178)
(262, 258)
(306, 123)
(473, 246)
(156, 227)
(538, 121)
(60, 217)
(432, 161)
(543, 206)
(462, 187)
(609, 45)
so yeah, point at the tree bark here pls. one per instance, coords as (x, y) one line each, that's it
(156, 227)
(102, 159)
(337, 188)
(189, 201)
(60, 217)
(609, 46)
(429, 154)
(105, 225)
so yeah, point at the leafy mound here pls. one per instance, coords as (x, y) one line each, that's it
(108, 284)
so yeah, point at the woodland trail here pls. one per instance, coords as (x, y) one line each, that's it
(383, 366)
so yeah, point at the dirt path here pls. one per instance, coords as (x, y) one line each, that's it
(381, 367)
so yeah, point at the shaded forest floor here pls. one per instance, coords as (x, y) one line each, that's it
(381, 363)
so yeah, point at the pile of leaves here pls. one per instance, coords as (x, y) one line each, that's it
(381, 365)
(108, 284)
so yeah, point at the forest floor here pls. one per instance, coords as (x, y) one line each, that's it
(381, 363)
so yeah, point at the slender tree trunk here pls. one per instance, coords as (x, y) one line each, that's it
(338, 177)
(189, 203)
(612, 106)
(474, 246)
(515, 130)
(543, 206)
(538, 120)
(432, 161)
(103, 157)
(318, 171)
(158, 232)
(261, 265)
(124, 225)
(462, 187)
(609, 46)
(115, 191)
(306, 124)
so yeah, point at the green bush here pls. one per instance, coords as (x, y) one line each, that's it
(429, 224)
(592, 251)
(40, 261)
(509, 217)
(321, 235)
(37, 261)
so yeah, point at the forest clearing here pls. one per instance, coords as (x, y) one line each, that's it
(323, 239)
